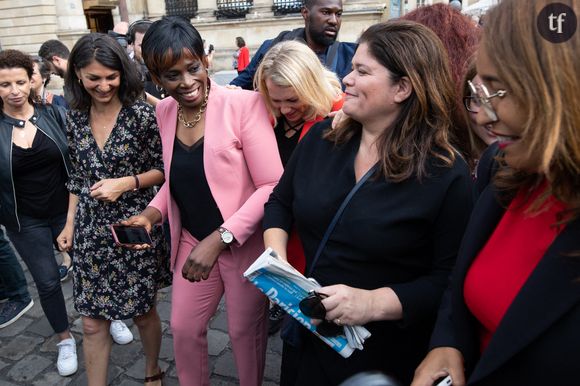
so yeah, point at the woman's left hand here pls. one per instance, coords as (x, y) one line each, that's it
(202, 258)
(347, 305)
(110, 189)
(354, 306)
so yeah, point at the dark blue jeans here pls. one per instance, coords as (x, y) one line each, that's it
(12, 280)
(35, 244)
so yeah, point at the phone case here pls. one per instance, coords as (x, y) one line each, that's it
(121, 244)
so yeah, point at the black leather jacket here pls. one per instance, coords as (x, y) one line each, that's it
(48, 119)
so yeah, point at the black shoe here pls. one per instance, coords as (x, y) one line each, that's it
(63, 271)
(12, 311)
(275, 318)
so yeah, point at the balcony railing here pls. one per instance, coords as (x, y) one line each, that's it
(185, 8)
(233, 9)
(284, 7)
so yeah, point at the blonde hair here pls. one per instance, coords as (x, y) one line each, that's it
(294, 64)
(542, 78)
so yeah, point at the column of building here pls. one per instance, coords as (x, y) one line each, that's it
(71, 22)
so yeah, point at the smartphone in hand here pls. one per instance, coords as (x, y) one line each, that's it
(130, 235)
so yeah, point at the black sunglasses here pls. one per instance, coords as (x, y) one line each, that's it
(312, 307)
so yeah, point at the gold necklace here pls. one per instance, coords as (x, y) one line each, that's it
(191, 124)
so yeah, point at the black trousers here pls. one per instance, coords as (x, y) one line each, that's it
(35, 245)
(315, 363)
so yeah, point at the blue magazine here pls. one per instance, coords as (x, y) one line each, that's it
(285, 286)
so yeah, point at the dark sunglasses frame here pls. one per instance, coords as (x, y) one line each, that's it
(312, 307)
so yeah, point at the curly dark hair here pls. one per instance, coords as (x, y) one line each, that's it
(17, 59)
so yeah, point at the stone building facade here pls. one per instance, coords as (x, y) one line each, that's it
(26, 24)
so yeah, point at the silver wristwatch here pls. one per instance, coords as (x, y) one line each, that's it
(226, 236)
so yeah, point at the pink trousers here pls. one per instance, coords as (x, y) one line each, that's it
(193, 304)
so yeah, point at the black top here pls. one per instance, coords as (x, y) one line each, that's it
(39, 178)
(402, 235)
(286, 145)
(199, 212)
(48, 118)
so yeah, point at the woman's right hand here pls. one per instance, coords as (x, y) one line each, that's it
(139, 220)
(65, 238)
(440, 362)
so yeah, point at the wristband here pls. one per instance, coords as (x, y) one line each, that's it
(137, 184)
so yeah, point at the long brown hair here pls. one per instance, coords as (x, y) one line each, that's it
(421, 131)
(542, 77)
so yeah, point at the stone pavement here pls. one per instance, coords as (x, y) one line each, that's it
(28, 350)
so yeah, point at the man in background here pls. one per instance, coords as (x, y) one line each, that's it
(56, 54)
(322, 19)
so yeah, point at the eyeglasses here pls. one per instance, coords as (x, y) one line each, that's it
(470, 104)
(312, 307)
(481, 98)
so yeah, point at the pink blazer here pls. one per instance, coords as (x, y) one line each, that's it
(241, 162)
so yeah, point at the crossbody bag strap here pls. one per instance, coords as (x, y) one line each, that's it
(337, 215)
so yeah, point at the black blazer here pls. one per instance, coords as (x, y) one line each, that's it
(538, 340)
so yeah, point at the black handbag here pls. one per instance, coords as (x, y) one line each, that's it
(292, 331)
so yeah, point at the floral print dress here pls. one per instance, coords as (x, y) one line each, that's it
(111, 282)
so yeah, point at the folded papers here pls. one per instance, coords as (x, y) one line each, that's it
(285, 286)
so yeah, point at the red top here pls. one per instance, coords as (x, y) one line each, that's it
(294, 250)
(243, 58)
(504, 264)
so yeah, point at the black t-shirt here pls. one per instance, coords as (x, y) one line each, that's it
(198, 210)
(39, 178)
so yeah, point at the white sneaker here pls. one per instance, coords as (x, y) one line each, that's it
(120, 332)
(67, 363)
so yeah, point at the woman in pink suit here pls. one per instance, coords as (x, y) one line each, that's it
(221, 163)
